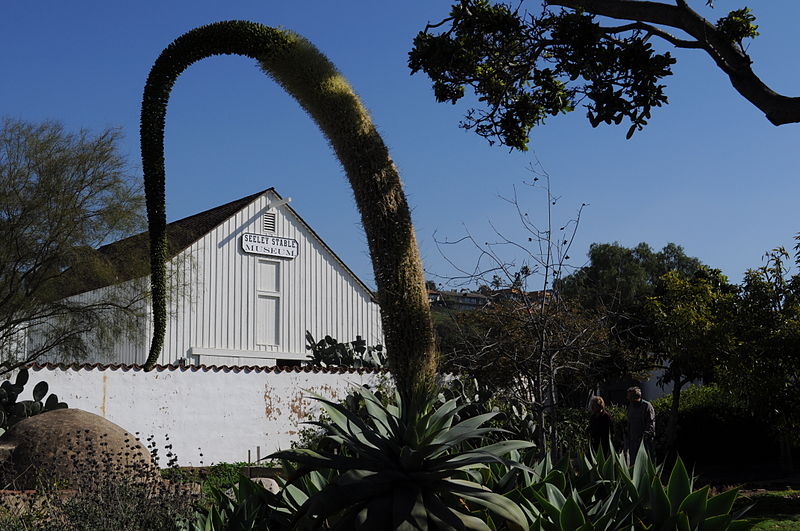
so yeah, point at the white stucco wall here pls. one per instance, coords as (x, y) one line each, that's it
(218, 414)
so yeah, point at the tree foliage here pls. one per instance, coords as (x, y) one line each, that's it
(762, 369)
(689, 321)
(689, 317)
(618, 280)
(62, 195)
(526, 66)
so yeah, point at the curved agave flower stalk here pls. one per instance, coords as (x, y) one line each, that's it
(323, 92)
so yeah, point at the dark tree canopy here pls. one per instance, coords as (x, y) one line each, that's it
(525, 66)
(762, 371)
(620, 278)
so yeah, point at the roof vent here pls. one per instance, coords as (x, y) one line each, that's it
(268, 223)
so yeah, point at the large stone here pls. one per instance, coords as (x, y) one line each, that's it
(67, 446)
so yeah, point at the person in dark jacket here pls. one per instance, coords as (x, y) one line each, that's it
(641, 424)
(599, 425)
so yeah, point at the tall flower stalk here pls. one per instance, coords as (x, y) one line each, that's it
(327, 97)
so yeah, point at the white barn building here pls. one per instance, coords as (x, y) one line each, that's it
(248, 279)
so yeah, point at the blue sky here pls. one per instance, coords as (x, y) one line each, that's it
(709, 172)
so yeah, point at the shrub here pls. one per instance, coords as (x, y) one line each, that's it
(220, 476)
(713, 430)
(105, 495)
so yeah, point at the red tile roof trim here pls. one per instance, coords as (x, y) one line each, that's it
(201, 368)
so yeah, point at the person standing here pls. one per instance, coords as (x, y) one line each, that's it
(641, 425)
(599, 425)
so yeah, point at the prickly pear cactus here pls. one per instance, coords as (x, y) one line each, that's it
(12, 411)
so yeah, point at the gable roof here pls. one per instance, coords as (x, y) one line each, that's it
(129, 258)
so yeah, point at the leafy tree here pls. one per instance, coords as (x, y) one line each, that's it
(689, 319)
(527, 66)
(62, 194)
(618, 280)
(326, 95)
(762, 370)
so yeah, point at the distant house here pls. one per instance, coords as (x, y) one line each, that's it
(248, 279)
(473, 300)
(457, 300)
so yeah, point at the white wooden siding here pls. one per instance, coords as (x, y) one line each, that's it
(219, 293)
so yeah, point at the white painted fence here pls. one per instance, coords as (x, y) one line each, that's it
(210, 414)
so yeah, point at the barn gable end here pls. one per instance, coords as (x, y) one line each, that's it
(247, 280)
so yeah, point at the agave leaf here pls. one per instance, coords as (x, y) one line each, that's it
(437, 448)
(316, 480)
(346, 421)
(334, 498)
(463, 429)
(695, 506)
(313, 459)
(408, 509)
(632, 491)
(441, 420)
(554, 495)
(682, 522)
(607, 468)
(461, 461)
(353, 477)
(660, 506)
(721, 504)
(557, 479)
(440, 514)
(553, 512)
(472, 523)
(294, 496)
(505, 447)
(496, 503)
(603, 506)
(507, 481)
(485, 454)
(678, 487)
(717, 523)
(639, 475)
(377, 514)
(604, 523)
(378, 417)
(571, 515)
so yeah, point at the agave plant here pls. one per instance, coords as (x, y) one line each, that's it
(406, 465)
(249, 505)
(602, 493)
